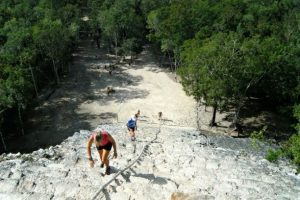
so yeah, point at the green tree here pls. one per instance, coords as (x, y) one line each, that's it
(35, 35)
(14, 90)
(176, 22)
(221, 70)
(130, 46)
(116, 21)
(52, 40)
(202, 75)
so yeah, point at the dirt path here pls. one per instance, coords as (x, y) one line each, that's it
(143, 86)
(81, 102)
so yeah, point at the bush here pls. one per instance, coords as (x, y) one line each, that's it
(273, 155)
(292, 146)
(292, 149)
(258, 136)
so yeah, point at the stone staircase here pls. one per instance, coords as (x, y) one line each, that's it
(179, 161)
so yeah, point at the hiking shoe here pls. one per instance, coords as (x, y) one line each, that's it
(102, 165)
(132, 138)
(107, 171)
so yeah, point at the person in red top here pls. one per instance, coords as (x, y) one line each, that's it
(103, 141)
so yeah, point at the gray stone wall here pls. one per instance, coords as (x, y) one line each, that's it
(180, 164)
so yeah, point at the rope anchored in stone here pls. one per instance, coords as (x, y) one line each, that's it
(128, 166)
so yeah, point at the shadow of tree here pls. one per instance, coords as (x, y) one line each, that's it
(257, 113)
(106, 194)
(150, 177)
(154, 179)
(107, 115)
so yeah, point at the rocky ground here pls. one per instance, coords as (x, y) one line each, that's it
(167, 163)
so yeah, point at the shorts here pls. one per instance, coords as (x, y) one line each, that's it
(107, 147)
(131, 128)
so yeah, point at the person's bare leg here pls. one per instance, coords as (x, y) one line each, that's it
(101, 156)
(131, 133)
(106, 161)
(105, 157)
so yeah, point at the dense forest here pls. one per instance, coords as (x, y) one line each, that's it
(37, 38)
(226, 52)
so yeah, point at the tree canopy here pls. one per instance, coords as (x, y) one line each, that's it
(233, 50)
(37, 38)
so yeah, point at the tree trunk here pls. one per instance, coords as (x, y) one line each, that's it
(175, 64)
(33, 80)
(3, 142)
(98, 42)
(213, 119)
(20, 119)
(236, 119)
(55, 71)
(98, 38)
(204, 99)
(170, 60)
(130, 57)
(116, 45)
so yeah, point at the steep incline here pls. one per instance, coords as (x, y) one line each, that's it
(179, 160)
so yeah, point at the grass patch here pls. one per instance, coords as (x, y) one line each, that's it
(273, 155)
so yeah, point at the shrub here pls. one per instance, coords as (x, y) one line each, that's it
(258, 136)
(292, 149)
(273, 155)
(292, 146)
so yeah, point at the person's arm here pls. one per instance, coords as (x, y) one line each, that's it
(136, 124)
(111, 139)
(89, 145)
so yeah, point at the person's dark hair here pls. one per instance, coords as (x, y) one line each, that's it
(137, 114)
(98, 136)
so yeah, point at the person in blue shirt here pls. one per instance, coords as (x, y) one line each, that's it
(132, 125)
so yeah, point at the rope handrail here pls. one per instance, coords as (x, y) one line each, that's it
(127, 167)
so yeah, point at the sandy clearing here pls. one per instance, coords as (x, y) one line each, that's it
(157, 92)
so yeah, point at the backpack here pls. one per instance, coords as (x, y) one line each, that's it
(131, 123)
